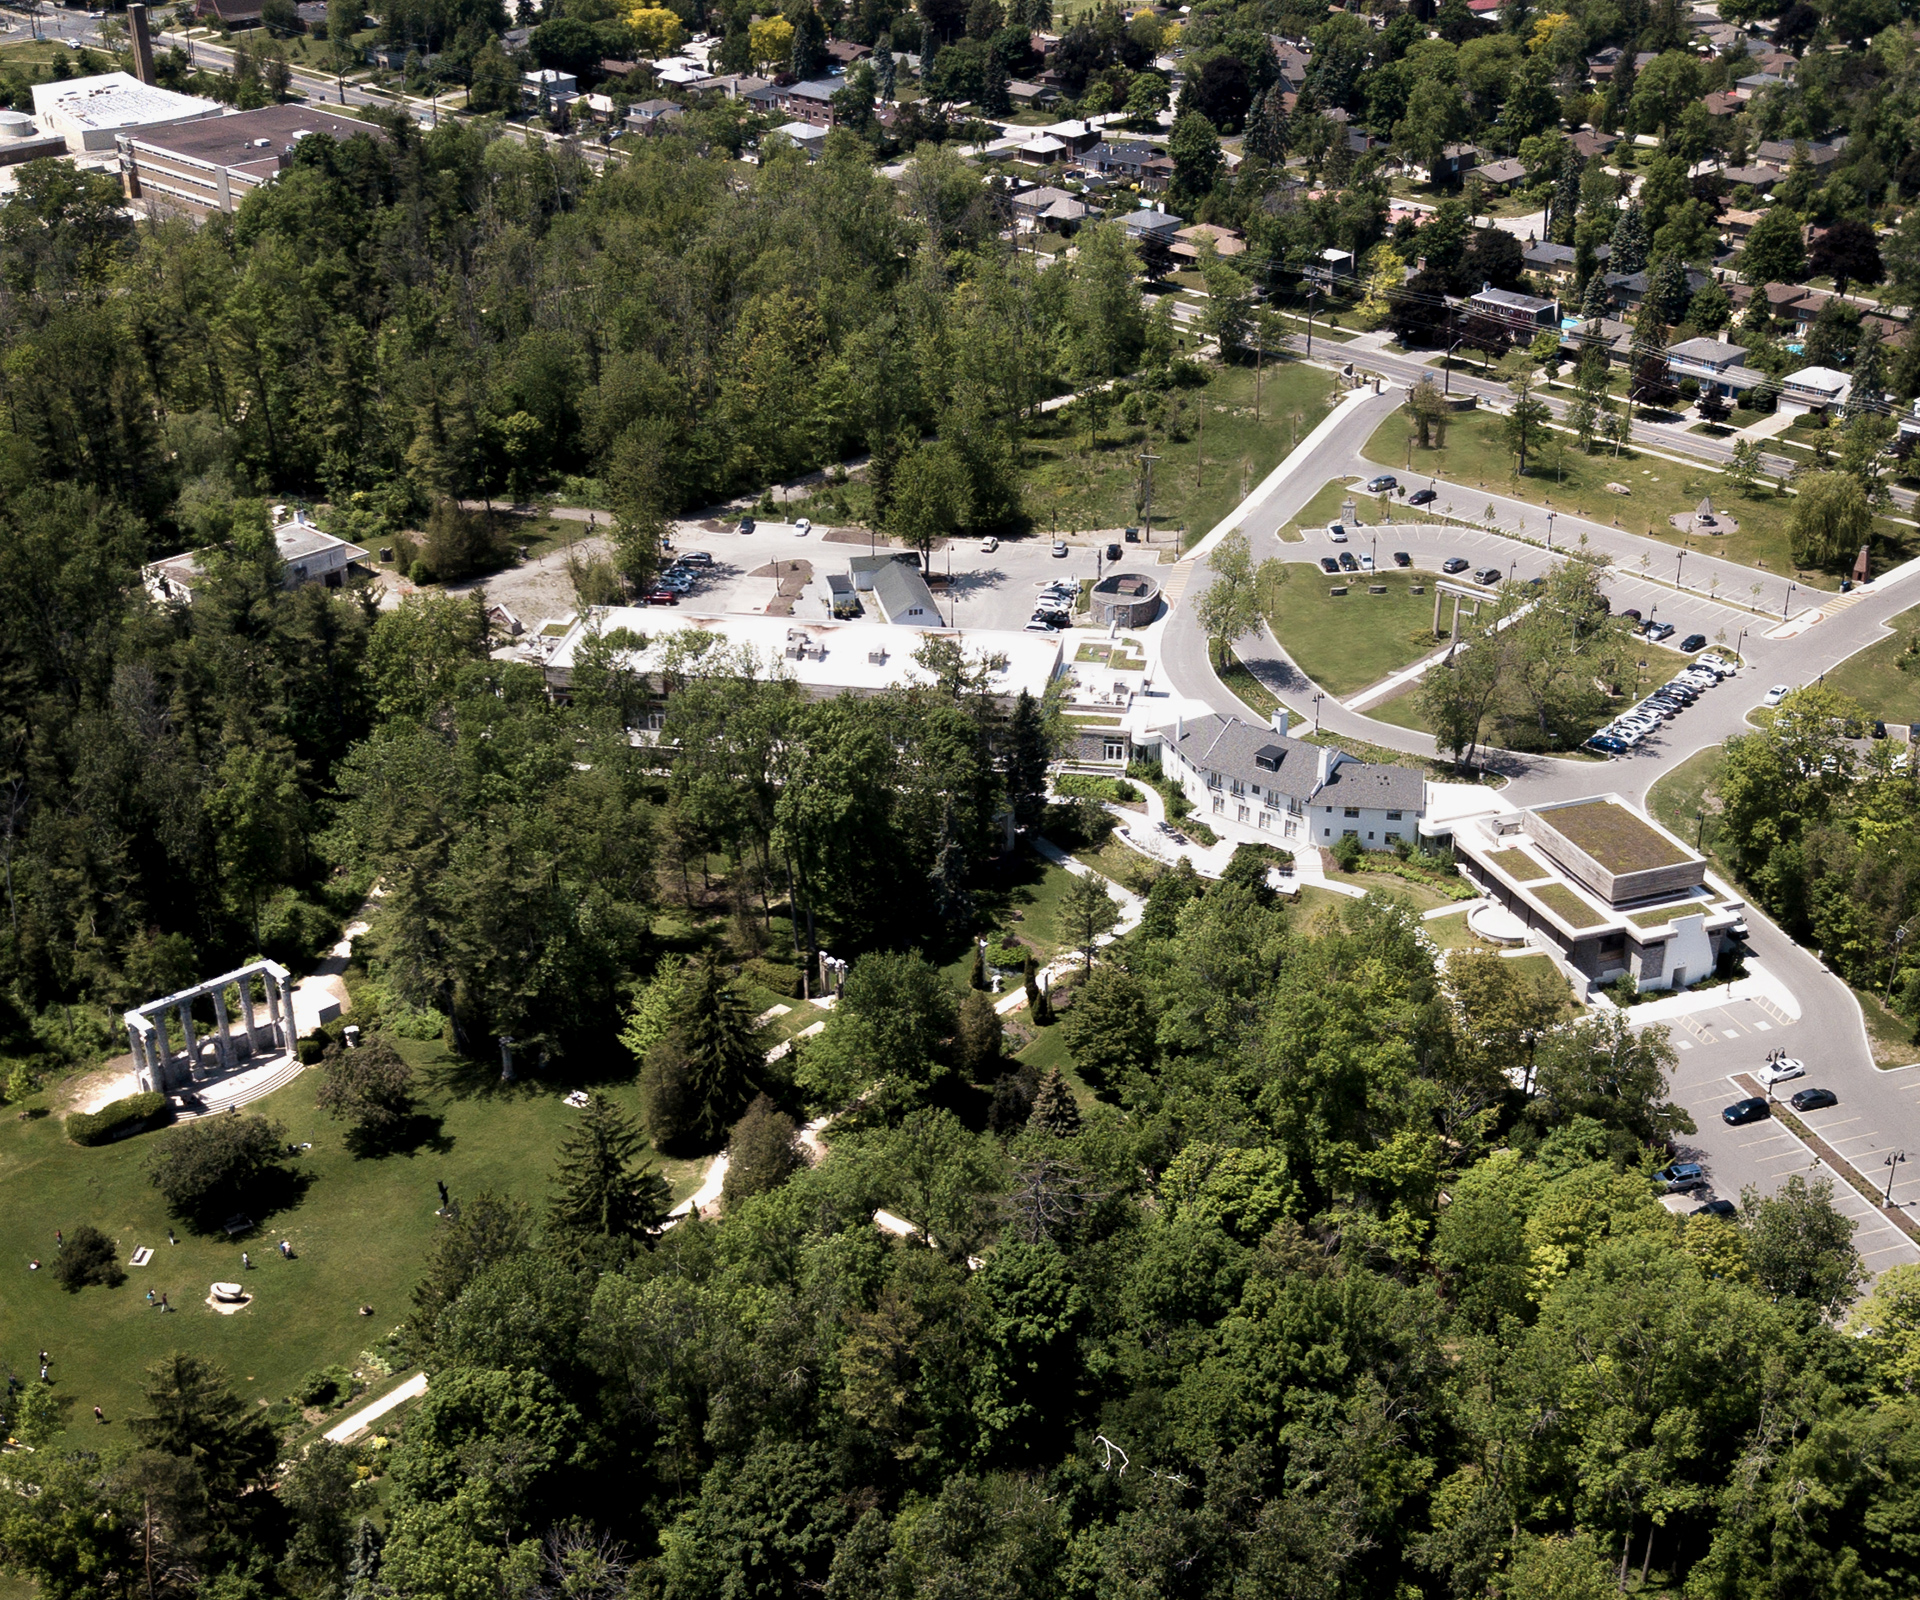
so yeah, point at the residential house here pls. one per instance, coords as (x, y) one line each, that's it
(1126, 159)
(1454, 163)
(1718, 367)
(809, 137)
(739, 85)
(1628, 289)
(595, 108)
(307, 555)
(654, 116)
(1721, 103)
(895, 585)
(1042, 150)
(1777, 154)
(1909, 434)
(1075, 135)
(619, 72)
(1190, 244)
(1602, 64)
(1737, 224)
(1501, 175)
(1291, 63)
(1813, 389)
(809, 101)
(1256, 783)
(1360, 142)
(1525, 313)
(1759, 179)
(1592, 144)
(1578, 335)
(1555, 261)
(1036, 96)
(1758, 82)
(845, 53)
(1044, 207)
(549, 87)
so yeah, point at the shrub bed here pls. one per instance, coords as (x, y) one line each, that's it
(1086, 786)
(116, 1119)
(774, 975)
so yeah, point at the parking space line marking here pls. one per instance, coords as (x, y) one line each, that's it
(1685, 1044)
(1764, 1027)
(1780, 1155)
(1730, 1033)
(1886, 1249)
(1821, 1129)
(1770, 1140)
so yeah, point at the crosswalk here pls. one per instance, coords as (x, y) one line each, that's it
(1176, 584)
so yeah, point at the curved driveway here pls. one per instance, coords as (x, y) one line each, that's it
(1878, 1110)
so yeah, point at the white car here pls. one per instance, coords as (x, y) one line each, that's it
(1366, 563)
(988, 545)
(1337, 532)
(802, 528)
(1719, 668)
(1776, 694)
(1780, 1070)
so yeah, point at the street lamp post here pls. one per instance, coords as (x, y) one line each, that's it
(1550, 517)
(1316, 711)
(1681, 557)
(1787, 605)
(1899, 938)
(1736, 649)
(1892, 1165)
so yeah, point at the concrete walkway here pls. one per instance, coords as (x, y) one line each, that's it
(367, 1416)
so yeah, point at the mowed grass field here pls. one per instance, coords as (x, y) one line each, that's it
(1346, 642)
(1476, 457)
(1873, 677)
(359, 1227)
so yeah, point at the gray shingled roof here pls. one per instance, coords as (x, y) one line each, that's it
(900, 589)
(1362, 783)
(1280, 764)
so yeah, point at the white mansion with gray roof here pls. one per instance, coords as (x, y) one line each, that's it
(1256, 783)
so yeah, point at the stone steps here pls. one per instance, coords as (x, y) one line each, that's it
(219, 1097)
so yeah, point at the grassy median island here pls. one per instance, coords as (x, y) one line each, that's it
(359, 1228)
(1345, 642)
(1876, 678)
(1476, 459)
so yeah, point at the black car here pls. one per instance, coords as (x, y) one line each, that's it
(1454, 564)
(1347, 562)
(1630, 612)
(1488, 576)
(746, 524)
(1113, 552)
(1328, 564)
(1814, 1100)
(1715, 1208)
(1402, 559)
(1879, 729)
(1752, 1109)
(1422, 497)
(1693, 642)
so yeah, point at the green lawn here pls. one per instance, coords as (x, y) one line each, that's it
(1402, 710)
(1068, 484)
(1873, 677)
(1678, 797)
(1418, 895)
(1049, 1050)
(1348, 641)
(1329, 505)
(1452, 933)
(1476, 457)
(359, 1229)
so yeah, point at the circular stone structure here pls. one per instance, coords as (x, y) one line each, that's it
(1496, 924)
(229, 1293)
(1131, 599)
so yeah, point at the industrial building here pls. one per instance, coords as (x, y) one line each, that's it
(90, 113)
(203, 167)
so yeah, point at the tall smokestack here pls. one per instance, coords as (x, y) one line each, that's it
(142, 42)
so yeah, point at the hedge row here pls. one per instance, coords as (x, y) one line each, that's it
(1084, 786)
(110, 1121)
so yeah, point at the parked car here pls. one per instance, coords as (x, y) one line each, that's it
(1366, 561)
(695, 558)
(1752, 1109)
(803, 527)
(1780, 1069)
(1422, 497)
(747, 524)
(1337, 532)
(1693, 642)
(1113, 552)
(1715, 1208)
(1402, 559)
(1776, 694)
(1719, 666)
(1608, 744)
(663, 597)
(1658, 630)
(1328, 564)
(988, 545)
(1347, 563)
(1814, 1100)
(1631, 614)
(1382, 484)
(1454, 564)
(1059, 547)
(1488, 576)
(1879, 729)
(1682, 1177)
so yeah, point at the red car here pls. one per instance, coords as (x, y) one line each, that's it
(663, 597)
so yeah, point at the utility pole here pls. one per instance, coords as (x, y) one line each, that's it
(1146, 510)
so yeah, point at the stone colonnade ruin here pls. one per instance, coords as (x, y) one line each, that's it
(262, 1032)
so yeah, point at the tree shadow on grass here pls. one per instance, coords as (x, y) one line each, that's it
(409, 1137)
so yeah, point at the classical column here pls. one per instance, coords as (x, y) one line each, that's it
(293, 1027)
(223, 1045)
(246, 1012)
(142, 1071)
(159, 1051)
(183, 1011)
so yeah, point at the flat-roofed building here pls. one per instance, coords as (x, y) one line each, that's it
(203, 167)
(826, 659)
(1599, 885)
(89, 112)
(307, 553)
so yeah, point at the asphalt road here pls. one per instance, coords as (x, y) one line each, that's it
(1877, 1109)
